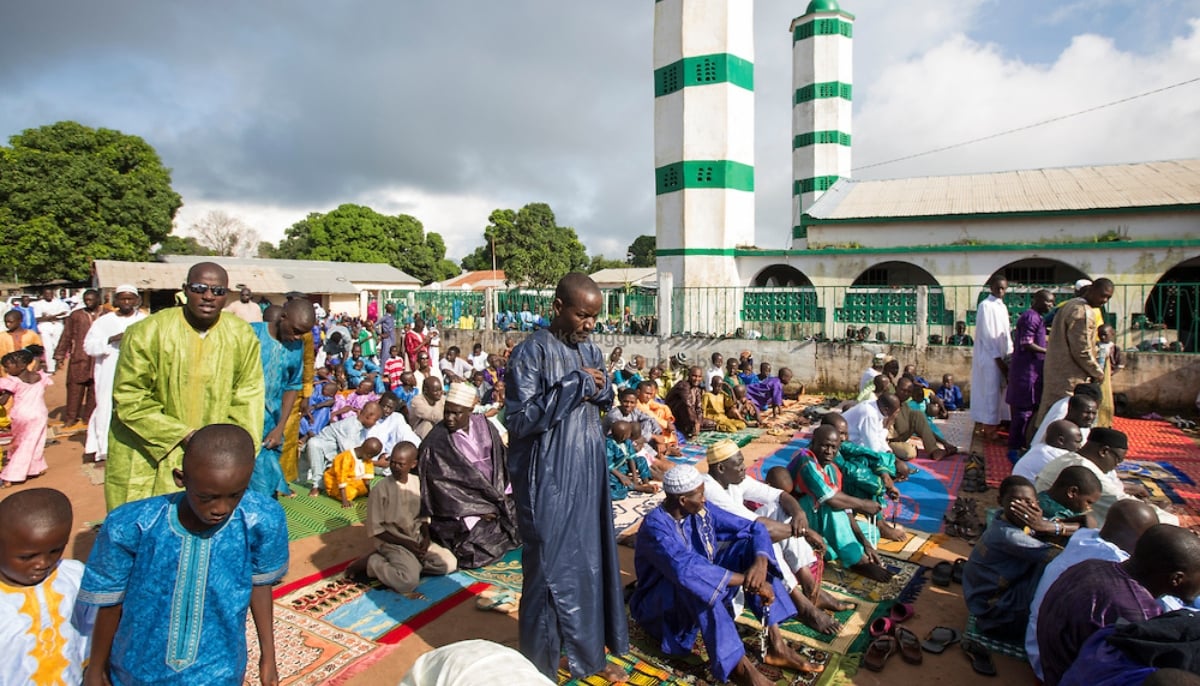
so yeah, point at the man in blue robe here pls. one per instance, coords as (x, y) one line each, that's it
(281, 346)
(691, 562)
(555, 387)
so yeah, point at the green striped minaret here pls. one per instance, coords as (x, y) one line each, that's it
(822, 77)
(703, 145)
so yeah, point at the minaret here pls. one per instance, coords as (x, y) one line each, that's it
(703, 150)
(822, 74)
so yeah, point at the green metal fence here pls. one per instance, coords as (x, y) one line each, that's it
(1157, 316)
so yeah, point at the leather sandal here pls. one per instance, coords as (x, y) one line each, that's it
(943, 571)
(981, 659)
(910, 647)
(878, 652)
(940, 638)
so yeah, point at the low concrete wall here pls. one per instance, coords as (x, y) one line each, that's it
(1166, 383)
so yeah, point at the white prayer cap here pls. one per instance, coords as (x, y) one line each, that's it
(126, 288)
(462, 394)
(1082, 284)
(682, 479)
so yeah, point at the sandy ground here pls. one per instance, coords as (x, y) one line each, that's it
(935, 606)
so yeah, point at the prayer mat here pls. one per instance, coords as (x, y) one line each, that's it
(907, 580)
(372, 611)
(310, 516)
(308, 651)
(1157, 439)
(957, 428)
(854, 622)
(927, 495)
(1016, 649)
(503, 573)
(742, 438)
(998, 466)
(628, 513)
(1171, 484)
(647, 665)
(916, 546)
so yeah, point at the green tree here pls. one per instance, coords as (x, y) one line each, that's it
(70, 194)
(182, 245)
(267, 250)
(599, 262)
(641, 251)
(530, 246)
(354, 233)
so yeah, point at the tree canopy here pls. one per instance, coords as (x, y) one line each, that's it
(599, 262)
(182, 245)
(530, 246)
(641, 251)
(70, 194)
(225, 235)
(354, 233)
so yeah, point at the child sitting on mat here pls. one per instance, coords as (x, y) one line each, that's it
(352, 471)
(626, 469)
(1069, 501)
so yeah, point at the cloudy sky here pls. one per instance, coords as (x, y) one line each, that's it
(270, 110)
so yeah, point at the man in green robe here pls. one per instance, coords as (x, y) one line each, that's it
(180, 369)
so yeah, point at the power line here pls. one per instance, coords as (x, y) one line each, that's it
(1029, 126)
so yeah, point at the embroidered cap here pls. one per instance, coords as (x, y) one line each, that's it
(462, 394)
(126, 288)
(682, 479)
(721, 451)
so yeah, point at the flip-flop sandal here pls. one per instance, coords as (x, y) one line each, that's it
(499, 601)
(882, 626)
(940, 638)
(943, 571)
(956, 573)
(910, 647)
(878, 653)
(981, 659)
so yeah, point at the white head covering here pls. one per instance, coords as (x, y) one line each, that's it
(1082, 283)
(126, 288)
(462, 394)
(682, 479)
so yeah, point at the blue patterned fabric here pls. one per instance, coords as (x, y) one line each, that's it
(184, 595)
(283, 365)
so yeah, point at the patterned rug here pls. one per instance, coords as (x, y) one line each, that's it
(311, 516)
(649, 666)
(371, 611)
(742, 438)
(1172, 484)
(914, 548)
(308, 651)
(854, 622)
(628, 513)
(927, 495)
(503, 573)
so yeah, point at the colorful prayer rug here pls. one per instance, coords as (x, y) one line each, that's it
(1171, 484)
(313, 515)
(926, 496)
(854, 622)
(742, 438)
(916, 546)
(648, 666)
(503, 573)
(628, 513)
(372, 611)
(907, 580)
(308, 651)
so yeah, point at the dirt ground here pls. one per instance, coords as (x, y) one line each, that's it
(935, 606)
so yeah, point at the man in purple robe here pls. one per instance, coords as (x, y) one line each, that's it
(1025, 369)
(1097, 593)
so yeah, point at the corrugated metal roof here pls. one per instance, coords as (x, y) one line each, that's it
(367, 272)
(619, 276)
(1064, 189)
(476, 281)
(260, 275)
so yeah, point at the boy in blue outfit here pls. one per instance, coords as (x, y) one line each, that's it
(951, 395)
(626, 469)
(174, 575)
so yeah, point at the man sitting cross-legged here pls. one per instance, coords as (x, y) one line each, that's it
(403, 548)
(693, 564)
(818, 486)
(727, 486)
(720, 408)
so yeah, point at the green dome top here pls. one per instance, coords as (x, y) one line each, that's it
(822, 6)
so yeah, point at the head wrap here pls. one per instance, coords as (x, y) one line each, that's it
(682, 479)
(631, 368)
(721, 451)
(462, 394)
(1110, 438)
(126, 288)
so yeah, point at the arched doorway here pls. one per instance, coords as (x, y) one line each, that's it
(1171, 311)
(882, 303)
(1040, 272)
(781, 302)
(894, 273)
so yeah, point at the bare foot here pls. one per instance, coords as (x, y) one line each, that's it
(872, 571)
(613, 673)
(314, 492)
(781, 655)
(745, 674)
(828, 602)
(937, 454)
(815, 619)
(892, 532)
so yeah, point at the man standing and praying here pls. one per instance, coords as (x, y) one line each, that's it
(989, 366)
(103, 344)
(556, 386)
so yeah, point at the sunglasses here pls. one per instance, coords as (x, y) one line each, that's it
(202, 288)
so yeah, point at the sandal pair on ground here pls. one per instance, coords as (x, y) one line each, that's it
(963, 520)
(945, 572)
(975, 474)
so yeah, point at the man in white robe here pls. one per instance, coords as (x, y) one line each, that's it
(338, 437)
(993, 345)
(103, 343)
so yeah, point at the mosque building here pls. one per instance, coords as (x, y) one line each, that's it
(906, 258)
